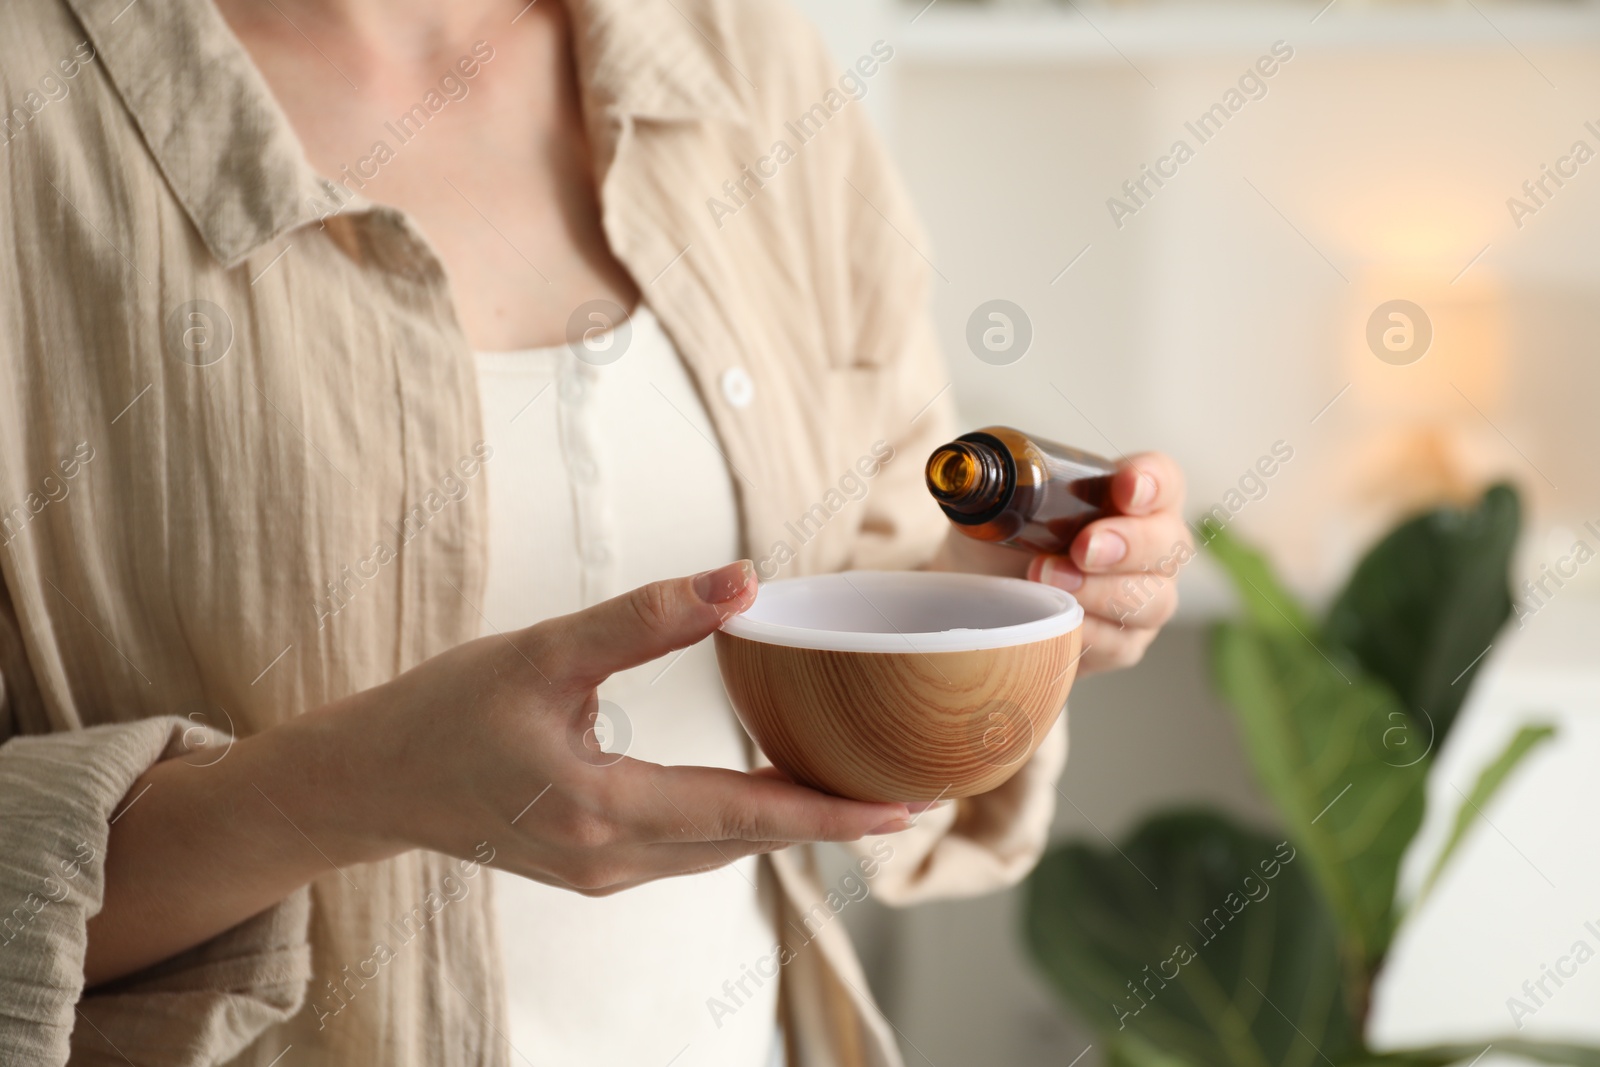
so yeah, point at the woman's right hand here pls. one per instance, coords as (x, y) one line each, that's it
(485, 743)
(493, 742)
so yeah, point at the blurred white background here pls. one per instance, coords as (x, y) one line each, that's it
(1229, 313)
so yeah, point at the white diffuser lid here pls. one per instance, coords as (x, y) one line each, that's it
(905, 611)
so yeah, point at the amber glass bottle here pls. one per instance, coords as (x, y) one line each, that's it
(998, 484)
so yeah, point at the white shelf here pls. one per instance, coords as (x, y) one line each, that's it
(961, 32)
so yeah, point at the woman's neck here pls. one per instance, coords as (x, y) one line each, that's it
(400, 29)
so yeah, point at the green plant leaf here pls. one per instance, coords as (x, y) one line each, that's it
(1233, 960)
(1266, 602)
(1426, 602)
(1129, 1050)
(1315, 737)
(1489, 782)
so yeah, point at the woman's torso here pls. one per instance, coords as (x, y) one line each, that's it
(288, 507)
(604, 477)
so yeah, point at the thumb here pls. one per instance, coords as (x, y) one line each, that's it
(650, 621)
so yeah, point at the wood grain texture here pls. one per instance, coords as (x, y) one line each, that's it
(898, 726)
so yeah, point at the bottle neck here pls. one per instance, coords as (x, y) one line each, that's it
(969, 478)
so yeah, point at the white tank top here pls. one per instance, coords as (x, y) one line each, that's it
(603, 478)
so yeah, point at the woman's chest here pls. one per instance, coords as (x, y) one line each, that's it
(482, 145)
(288, 499)
(605, 474)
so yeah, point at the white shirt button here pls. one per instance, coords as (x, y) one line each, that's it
(596, 553)
(737, 388)
(573, 390)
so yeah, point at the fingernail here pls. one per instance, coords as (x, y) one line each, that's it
(1060, 573)
(1144, 491)
(893, 826)
(1105, 548)
(724, 583)
(917, 807)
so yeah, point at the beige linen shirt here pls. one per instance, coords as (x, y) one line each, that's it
(241, 476)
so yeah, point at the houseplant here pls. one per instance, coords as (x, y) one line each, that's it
(1201, 942)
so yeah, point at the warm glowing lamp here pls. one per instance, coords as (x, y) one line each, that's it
(1426, 363)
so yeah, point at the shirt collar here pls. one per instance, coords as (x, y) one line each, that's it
(646, 59)
(234, 162)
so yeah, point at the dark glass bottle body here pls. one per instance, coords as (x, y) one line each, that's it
(1001, 485)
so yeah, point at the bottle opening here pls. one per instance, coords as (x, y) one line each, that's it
(967, 477)
(952, 472)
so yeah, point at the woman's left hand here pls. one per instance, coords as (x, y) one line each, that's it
(1123, 568)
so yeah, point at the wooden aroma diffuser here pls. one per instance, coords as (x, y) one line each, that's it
(901, 685)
